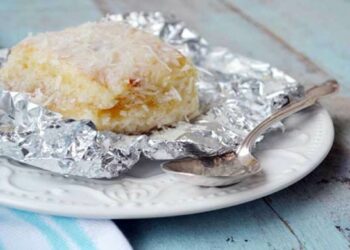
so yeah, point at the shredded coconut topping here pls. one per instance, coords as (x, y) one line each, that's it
(121, 78)
(122, 51)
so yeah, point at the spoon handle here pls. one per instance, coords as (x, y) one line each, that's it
(308, 100)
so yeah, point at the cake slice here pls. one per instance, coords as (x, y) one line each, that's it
(123, 79)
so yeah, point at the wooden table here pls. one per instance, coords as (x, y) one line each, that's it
(308, 39)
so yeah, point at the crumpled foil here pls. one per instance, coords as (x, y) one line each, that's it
(236, 93)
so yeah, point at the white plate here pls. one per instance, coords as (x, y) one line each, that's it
(146, 192)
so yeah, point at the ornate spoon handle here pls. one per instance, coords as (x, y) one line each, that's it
(310, 98)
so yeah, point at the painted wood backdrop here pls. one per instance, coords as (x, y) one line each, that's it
(308, 39)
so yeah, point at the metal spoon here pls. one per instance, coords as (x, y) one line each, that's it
(233, 167)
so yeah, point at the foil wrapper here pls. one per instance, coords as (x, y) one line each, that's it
(236, 93)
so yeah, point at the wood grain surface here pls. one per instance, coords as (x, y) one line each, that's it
(308, 39)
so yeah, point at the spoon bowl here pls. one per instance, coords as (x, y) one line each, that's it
(211, 171)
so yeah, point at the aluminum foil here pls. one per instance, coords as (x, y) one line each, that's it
(236, 94)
